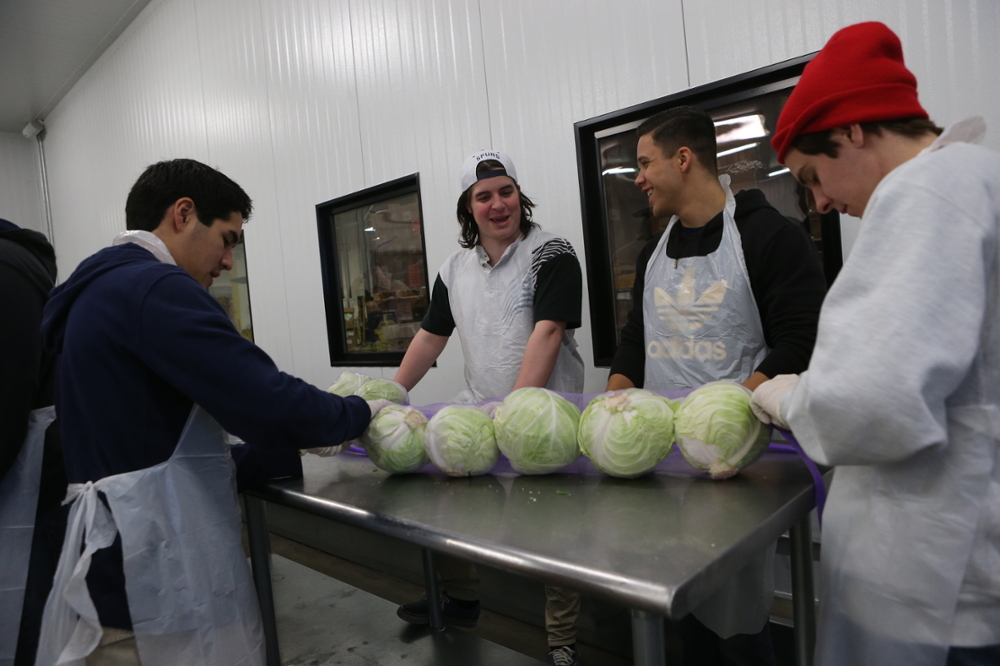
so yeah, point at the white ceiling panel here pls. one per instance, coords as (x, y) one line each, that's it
(47, 45)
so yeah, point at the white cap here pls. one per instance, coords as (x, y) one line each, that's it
(469, 176)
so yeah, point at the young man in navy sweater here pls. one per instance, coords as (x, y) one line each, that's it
(142, 350)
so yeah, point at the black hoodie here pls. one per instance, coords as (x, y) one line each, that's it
(785, 276)
(27, 274)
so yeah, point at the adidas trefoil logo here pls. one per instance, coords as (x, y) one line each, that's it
(684, 312)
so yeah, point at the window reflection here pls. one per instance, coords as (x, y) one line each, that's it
(382, 274)
(232, 291)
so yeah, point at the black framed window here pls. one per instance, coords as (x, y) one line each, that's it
(616, 216)
(374, 272)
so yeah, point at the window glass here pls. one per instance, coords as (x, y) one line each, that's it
(232, 291)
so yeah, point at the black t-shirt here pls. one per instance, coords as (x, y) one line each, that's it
(786, 279)
(558, 291)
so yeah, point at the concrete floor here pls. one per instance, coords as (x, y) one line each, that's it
(309, 602)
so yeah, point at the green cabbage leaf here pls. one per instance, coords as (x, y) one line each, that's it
(717, 431)
(626, 433)
(394, 439)
(460, 441)
(536, 430)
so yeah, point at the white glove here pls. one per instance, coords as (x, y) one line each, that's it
(766, 400)
(376, 405)
(328, 451)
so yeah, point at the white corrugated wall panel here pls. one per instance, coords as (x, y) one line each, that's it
(951, 46)
(422, 101)
(549, 66)
(142, 102)
(235, 93)
(316, 155)
(20, 182)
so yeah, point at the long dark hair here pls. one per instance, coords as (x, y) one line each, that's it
(469, 237)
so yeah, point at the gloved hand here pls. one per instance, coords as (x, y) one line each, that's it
(766, 400)
(328, 451)
(376, 405)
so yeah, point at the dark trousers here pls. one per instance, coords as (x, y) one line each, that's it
(977, 656)
(46, 545)
(703, 647)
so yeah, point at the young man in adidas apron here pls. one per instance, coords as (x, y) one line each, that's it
(514, 293)
(150, 370)
(730, 290)
(903, 391)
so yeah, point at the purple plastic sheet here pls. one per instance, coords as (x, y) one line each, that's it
(673, 463)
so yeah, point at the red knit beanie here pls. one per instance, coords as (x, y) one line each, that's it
(858, 77)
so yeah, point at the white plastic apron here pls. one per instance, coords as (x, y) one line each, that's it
(189, 588)
(18, 506)
(701, 324)
(492, 308)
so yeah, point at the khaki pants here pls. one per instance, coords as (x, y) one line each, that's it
(562, 607)
(459, 578)
(117, 648)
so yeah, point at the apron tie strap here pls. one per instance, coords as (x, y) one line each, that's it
(70, 626)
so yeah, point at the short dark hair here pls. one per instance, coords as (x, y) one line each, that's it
(469, 236)
(683, 126)
(820, 143)
(215, 195)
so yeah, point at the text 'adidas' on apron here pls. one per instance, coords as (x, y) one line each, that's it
(701, 324)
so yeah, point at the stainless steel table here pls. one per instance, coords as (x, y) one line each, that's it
(659, 544)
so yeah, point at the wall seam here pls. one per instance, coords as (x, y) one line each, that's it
(687, 54)
(357, 94)
(277, 197)
(486, 78)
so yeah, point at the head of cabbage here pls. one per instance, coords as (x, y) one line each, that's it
(536, 430)
(460, 441)
(386, 389)
(626, 433)
(394, 439)
(716, 430)
(348, 384)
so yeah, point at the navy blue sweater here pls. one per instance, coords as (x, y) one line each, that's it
(138, 343)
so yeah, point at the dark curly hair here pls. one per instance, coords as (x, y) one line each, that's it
(469, 237)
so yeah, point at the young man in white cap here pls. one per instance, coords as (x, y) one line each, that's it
(514, 292)
(903, 390)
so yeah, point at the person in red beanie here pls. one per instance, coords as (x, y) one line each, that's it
(902, 393)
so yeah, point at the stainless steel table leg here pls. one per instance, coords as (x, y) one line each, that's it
(433, 594)
(803, 593)
(647, 639)
(260, 563)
